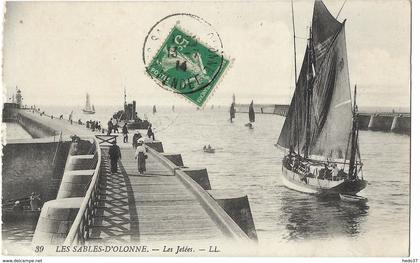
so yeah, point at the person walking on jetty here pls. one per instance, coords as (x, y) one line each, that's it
(109, 127)
(150, 132)
(136, 137)
(115, 125)
(125, 132)
(141, 156)
(114, 156)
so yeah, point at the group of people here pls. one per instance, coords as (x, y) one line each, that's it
(140, 154)
(138, 144)
(306, 169)
(112, 126)
(137, 135)
(94, 125)
(207, 148)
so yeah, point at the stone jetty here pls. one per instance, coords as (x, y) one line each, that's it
(89, 205)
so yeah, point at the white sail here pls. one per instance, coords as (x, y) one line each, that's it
(88, 107)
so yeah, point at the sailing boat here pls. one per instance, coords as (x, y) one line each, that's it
(154, 109)
(232, 110)
(251, 115)
(89, 109)
(320, 130)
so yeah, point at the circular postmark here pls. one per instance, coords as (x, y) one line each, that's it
(184, 54)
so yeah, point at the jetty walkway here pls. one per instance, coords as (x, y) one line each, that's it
(164, 204)
(148, 207)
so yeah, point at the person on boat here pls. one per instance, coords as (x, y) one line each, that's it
(341, 174)
(17, 207)
(141, 156)
(295, 164)
(114, 155)
(150, 132)
(125, 133)
(34, 201)
(335, 172)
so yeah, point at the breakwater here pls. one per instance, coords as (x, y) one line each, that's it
(76, 213)
(34, 127)
(397, 122)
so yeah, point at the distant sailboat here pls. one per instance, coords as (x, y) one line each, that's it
(251, 115)
(173, 107)
(232, 110)
(321, 131)
(89, 109)
(154, 109)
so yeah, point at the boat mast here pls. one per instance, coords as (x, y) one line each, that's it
(294, 42)
(294, 56)
(125, 98)
(308, 96)
(354, 135)
(87, 106)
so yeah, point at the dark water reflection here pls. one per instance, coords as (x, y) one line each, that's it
(18, 230)
(311, 216)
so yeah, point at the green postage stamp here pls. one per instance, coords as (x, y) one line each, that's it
(186, 66)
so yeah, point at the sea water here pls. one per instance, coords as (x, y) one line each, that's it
(247, 160)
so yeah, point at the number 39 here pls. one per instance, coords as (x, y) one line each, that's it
(39, 249)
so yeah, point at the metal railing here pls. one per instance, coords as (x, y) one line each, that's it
(80, 229)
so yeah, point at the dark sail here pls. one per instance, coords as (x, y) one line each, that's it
(251, 112)
(330, 102)
(232, 111)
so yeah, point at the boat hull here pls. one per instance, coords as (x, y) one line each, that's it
(353, 198)
(316, 186)
(88, 112)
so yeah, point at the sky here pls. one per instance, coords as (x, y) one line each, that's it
(56, 52)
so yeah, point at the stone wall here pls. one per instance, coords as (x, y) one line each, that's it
(31, 167)
(34, 128)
